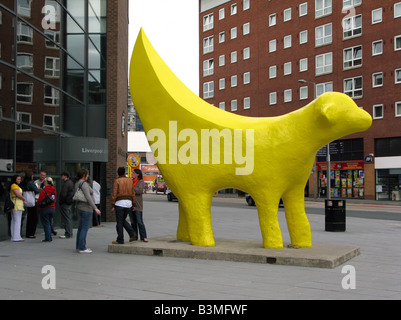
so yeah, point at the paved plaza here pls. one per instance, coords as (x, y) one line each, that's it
(102, 275)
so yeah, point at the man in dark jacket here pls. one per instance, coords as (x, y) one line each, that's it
(66, 194)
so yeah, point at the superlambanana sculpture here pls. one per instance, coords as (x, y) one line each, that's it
(201, 149)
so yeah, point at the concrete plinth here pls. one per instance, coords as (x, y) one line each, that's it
(318, 256)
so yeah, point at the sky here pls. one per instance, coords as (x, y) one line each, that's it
(172, 28)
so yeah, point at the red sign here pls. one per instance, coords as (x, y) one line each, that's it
(341, 165)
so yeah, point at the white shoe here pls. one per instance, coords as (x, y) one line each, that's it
(85, 251)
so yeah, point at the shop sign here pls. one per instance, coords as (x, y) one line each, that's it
(341, 165)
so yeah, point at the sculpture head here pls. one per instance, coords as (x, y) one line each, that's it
(340, 116)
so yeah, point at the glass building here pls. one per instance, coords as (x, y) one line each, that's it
(60, 92)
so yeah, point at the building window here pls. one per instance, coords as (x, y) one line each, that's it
(246, 28)
(247, 77)
(233, 105)
(24, 33)
(222, 14)
(246, 5)
(287, 68)
(247, 103)
(303, 37)
(377, 79)
(24, 8)
(234, 81)
(52, 67)
(208, 45)
(322, 8)
(303, 65)
(324, 63)
(397, 74)
(51, 121)
(378, 111)
(352, 57)
(397, 43)
(272, 45)
(222, 83)
(397, 10)
(323, 87)
(208, 90)
(233, 9)
(25, 62)
(303, 9)
(398, 109)
(351, 3)
(377, 47)
(222, 60)
(24, 92)
(353, 87)
(233, 33)
(26, 118)
(222, 37)
(222, 105)
(234, 57)
(303, 93)
(208, 67)
(288, 95)
(323, 35)
(273, 98)
(52, 96)
(247, 53)
(377, 15)
(272, 20)
(287, 41)
(287, 14)
(352, 26)
(208, 22)
(53, 35)
(272, 72)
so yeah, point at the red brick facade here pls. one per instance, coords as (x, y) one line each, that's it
(315, 34)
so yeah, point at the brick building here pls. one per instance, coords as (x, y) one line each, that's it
(63, 90)
(268, 58)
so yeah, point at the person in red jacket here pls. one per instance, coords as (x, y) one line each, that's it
(46, 213)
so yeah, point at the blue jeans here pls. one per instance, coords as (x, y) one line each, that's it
(137, 223)
(85, 221)
(46, 217)
(121, 215)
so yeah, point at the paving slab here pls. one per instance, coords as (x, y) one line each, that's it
(317, 256)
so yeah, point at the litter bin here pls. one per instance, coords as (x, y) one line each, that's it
(335, 215)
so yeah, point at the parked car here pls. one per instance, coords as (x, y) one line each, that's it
(251, 202)
(171, 196)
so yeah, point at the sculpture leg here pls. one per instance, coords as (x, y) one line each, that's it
(197, 219)
(182, 229)
(268, 221)
(297, 221)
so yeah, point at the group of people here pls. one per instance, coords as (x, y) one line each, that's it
(38, 198)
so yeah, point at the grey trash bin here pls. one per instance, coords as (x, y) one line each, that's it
(334, 215)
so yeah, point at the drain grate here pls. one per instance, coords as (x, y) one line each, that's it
(158, 252)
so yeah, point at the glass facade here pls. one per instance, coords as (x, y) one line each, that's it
(52, 85)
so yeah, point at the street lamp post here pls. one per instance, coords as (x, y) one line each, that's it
(327, 149)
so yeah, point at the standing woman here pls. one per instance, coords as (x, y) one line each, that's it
(30, 191)
(46, 213)
(85, 210)
(137, 222)
(16, 215)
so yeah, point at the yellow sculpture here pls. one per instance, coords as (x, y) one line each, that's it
(201, 149)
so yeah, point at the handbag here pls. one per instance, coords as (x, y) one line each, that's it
(79, 194)
(46, 201)
(8, 203)
(30, 198)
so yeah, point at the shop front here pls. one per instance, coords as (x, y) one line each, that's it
(347, 179)
(388, 178)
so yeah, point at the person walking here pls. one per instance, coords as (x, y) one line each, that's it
(65, 201)
(85, 209)
(30, 191)
(122, 200)
(96, 197)
(136, 216)
(46, 212)
(16, 214)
